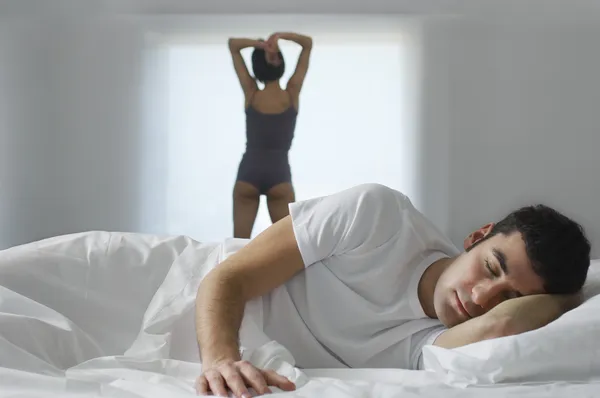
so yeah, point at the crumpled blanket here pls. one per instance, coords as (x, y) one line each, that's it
(115, 310)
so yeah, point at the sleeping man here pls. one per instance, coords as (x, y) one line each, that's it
(361, 279)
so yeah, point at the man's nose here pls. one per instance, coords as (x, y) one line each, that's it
(487, 294)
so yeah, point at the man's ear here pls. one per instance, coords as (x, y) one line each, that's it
(477, 235)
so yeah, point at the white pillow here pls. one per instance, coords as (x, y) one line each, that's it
(565, 350)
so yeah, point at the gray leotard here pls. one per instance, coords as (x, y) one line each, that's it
(268, 141)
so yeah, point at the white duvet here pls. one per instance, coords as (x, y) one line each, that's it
(111, 315)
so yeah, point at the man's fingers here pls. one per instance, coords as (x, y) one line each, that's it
(216, 383)
(235, 382)
(238, 377)
(254, 378)
(201, 386)
(277, 380)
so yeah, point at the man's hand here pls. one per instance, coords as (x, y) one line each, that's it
(238, 376)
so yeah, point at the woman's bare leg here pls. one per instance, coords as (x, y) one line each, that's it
(246, 199)
(278, 199)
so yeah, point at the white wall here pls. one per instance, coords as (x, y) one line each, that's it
(4, 130)
(86, 137)
(493, 91)
(73, 125)
(523, 117)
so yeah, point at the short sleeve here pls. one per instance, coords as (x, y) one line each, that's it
(364, 216)
(422, 339)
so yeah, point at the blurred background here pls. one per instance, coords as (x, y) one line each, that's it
(128, 116)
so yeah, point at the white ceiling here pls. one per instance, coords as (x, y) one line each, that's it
(541, 8)
(288, 6)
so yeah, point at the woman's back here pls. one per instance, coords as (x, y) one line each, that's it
(270, 121)
(271, 115)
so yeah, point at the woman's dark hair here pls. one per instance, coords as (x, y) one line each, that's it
(264, 71)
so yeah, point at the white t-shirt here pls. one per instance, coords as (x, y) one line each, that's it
(356, 304)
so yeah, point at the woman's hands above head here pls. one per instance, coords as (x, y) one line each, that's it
(273, 43)
(270, 45)
(272, 50)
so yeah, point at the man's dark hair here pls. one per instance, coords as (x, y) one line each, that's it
(264, 71)
(556, 246)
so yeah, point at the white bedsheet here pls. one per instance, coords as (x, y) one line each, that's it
(111, 315)
(356, 383)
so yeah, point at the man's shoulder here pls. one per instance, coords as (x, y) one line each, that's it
(378, 192)
(374, 187)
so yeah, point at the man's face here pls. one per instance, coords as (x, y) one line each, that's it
(493, 270)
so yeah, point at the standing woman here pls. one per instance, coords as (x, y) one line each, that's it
(270, 123)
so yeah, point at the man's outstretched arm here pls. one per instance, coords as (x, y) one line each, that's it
(264, 263)
(509, 318)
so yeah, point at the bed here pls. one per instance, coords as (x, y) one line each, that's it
(102, 314)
